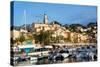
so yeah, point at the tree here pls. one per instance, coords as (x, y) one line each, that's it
(66, 26)
(43, 37)
(92, 37)
(74, 27)
(22, 38)
(29, 36)
(92, 24)
(56, 22)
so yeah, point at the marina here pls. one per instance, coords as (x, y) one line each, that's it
(57, 55)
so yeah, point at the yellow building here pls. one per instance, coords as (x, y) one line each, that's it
(60, 31)
(15, 34)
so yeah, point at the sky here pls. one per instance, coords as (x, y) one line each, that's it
(63, 13)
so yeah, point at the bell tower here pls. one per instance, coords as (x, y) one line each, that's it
(45, 19)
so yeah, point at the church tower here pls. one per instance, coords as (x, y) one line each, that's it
(45, 19)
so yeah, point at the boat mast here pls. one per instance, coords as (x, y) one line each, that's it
(25, 18)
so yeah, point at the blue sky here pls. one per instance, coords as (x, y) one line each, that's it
(63, 13)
